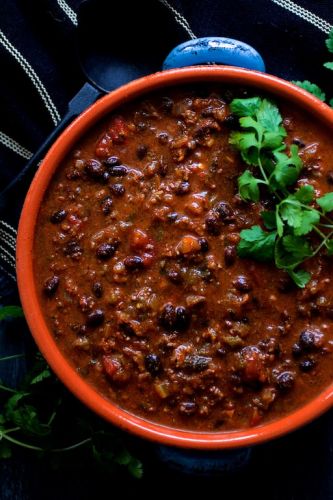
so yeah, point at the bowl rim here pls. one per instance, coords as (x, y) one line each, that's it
(25, 261)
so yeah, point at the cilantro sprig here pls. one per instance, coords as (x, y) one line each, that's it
(312, 87)
(40, 416)
(287, 237)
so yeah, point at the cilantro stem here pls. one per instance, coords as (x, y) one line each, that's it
(319, 232)
(73, 446)
(263, 173)
(23, 444)
(327, 237)
(8, 389)
(14, 356)
(4, 435)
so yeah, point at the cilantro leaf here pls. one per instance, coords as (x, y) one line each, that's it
(328, 65)
(300, 277)
(5, 450)
(261, 144)
(287, 168)
(269, 219)
(257, 244)
(10, 312)
(311, 87)
(297, 246)
(301, 219)
(329, 41)
(248, 186)
(326, 202)
(305, 194)
(269, 116)
(245, 107)
(41, 376)
(247, 144)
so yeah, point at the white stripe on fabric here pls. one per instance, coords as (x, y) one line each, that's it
(7, 257)
(14, 146)
(8, 226)
(9, 240)
(26, 66)
(305, 14)
(70, 13)
(8, 273)
(179, 19)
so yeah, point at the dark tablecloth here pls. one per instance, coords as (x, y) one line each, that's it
(40, 73)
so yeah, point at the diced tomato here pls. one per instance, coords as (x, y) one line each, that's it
(110, 365)
(103, 145)
(139, 239)
(118, 130)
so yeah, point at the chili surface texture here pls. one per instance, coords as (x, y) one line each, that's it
(139, 278)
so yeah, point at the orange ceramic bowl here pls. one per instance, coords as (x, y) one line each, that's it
(25, 260)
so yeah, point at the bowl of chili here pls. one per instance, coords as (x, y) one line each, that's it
(130, 277)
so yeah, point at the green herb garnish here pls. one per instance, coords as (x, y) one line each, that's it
(297, 214)
(312, 87)
(40, 416)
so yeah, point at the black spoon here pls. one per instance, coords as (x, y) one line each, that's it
(114, 46)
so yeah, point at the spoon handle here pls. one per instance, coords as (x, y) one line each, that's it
(16, 190)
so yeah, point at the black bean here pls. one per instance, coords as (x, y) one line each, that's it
(174, 318)
(242, 284)
(296, 350)
(167, 104)
(117, 189)
(163, 168)
(72, 248)
(225, 211)
(133, 262)
(82, 330)
(106, 250)
(230, 255)
(118, 171)
(174, 276)
(94, 169)
(112, 161)
(298, 142)
(187, 408)
(183, 188)
(286, 285)
(106, 205)
(51, 285)
(163, 138)
(183, 318)
(172, 217)
(97, 289)
(308, 339)
(212, 223)
(141, 126)
(197, 363)
(204, 246)
(221, 352)
(231, 121)
(153, 364)
(141, 151)
(285, 381)
(95, 318)
(307, 365)
(58, 216)
(329, 177)
(105, 177)
(127, 328)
